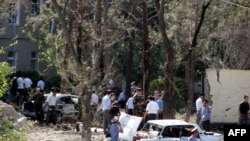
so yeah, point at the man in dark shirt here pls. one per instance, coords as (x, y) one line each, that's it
(38, 99)
(243, 111)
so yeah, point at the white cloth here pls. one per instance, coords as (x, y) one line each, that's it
(94, 99)
(41, 84)
(28, 82)
(199, 104)
(106, 103)
(51, 99)
(129, 103)
(152, 107)
(20, 83)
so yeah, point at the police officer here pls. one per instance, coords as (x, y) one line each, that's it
(139, 103)
(38, 99)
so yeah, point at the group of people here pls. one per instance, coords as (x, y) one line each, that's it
(150, 108)
(111, 125)
(47, 105)
(203, 112)
(20, 88)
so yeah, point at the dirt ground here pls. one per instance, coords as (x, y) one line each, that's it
(64, 132)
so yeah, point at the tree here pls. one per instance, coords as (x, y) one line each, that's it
(190, 61)
(169, 85)
(146, 50)
(5, 70)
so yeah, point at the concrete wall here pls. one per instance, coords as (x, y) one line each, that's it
(225, 89)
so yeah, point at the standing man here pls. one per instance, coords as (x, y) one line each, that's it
(160, 104)
(20, 89)
(50, 105)
(94, 100)
(94, 103)
(206, 115)
(38, 105)
(244, 111)
(134, 87)
(121, 99)
(41, 84)
(152, 109)
(199, 105)
(130, 106)
(28, 82)
(106, 105)
(139, 103)
(115, 128)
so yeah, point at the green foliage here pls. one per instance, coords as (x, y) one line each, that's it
(156, 84)
(8, 133)
(181, 99)
(54, 81)
(5, 70)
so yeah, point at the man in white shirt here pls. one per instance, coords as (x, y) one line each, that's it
(50, 105)
(199, 105)
(28, 82)
(106, 105)
(41, 84)
(152, 109)
(130, 106)
(94, 100)
(20, 89)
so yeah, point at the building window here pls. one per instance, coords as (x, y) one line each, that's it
(11, 58)
(33, 61)
(14, 12)
(35, 7)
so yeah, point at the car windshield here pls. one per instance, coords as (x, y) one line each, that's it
(173, 131)
(150, 130)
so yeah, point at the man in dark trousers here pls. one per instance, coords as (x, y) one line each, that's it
(38, 99)
(244, 111)
(50, 105)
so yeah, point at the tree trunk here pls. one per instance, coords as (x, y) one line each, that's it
(146, 51)
(190, 62)
(129, 61)
(129, 64)
(169, 85)
(190, 74)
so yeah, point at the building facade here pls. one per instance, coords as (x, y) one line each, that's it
(19, 51)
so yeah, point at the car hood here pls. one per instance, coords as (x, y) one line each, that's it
(129, 125)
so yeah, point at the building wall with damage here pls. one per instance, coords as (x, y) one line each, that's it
(225, 89)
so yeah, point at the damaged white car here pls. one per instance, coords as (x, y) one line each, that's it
(162, 130)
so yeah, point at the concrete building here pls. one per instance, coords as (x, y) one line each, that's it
(19, 51)
(225, 89)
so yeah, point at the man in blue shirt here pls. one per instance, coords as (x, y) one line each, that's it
(106, 105)
(115, 128)
(160, 104)
(121, 99)
(205, 115)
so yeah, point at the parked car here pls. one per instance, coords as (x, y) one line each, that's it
(163, 130)
(66, 105)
